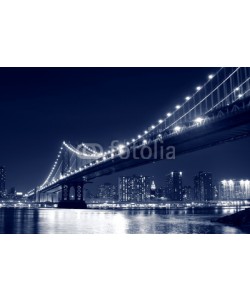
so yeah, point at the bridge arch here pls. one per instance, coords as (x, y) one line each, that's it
(72, 193)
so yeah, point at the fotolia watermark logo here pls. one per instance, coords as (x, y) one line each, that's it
(153, 151)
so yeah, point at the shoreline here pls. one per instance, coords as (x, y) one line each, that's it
(120, 207)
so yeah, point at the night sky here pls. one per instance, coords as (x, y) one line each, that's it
(41, 107)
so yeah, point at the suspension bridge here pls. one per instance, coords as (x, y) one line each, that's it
(218, 111)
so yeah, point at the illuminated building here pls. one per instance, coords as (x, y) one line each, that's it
(153, 190)
(174, 186)
(134, 188)
(2, 182)
(215, 193)
(234, 189)
(19, 195)
(203, 187)
(187, 193)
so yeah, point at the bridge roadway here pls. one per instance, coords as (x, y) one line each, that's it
(223, 125)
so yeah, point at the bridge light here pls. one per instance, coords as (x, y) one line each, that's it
(152, 127)
(139, 136)
(177, 128)
(211, 76)
(177, 106)
(121, 146)
(127, 143)
(145, 132)
(145, 142)
(198, 120)
(236, 89)
(198, 88)
(133, 140)
(160, 121)
(187, 98)
(169, 114)
(240, 96)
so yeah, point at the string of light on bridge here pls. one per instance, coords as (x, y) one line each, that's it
(53, 168)
(79, 153)
(169, 114)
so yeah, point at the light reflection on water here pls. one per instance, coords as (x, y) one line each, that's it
(47, 221)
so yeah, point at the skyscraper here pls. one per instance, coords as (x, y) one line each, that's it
(2, 182)
(153, 190)
(134, 188)
(187, 193)
(174, 186)
(233, 189)
(203, 187)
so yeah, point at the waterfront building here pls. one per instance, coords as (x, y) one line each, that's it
(174, 186)
(11, 193)
(215, 193)
(153, 190)
(233, 189)
(187, 193)
(2, 182)
(203, 187)
(134, 188)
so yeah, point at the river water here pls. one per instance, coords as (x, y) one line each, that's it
(66, 221)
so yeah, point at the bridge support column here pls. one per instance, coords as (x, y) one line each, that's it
(79, 192)
(76, 199)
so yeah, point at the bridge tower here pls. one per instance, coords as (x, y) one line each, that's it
(72, 195)
(65, 161)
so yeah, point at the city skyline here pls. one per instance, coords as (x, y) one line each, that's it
(194, 191)
(151, 90)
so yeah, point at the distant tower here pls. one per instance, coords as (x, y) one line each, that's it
(152, 190)
(65, 161)
(174, 186)
(203, 187)
(2, 182)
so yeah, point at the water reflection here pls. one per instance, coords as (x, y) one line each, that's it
(47, 221)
